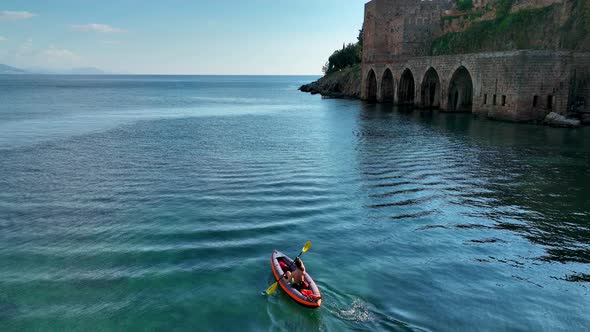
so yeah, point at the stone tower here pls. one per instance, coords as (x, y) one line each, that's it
(397, 29)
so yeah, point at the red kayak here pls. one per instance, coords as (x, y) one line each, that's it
(279, 262)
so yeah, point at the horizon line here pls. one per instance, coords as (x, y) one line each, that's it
(134, 74)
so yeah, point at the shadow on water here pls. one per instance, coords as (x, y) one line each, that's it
(462, 211)
(527, 179)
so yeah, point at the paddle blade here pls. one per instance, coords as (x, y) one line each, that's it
(306, 246)
(272, 288)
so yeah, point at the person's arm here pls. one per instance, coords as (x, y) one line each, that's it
(287, 275)
(299, 276)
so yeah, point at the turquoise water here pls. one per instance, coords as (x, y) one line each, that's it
(152, 203)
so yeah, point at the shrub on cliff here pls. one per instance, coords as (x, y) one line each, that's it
(464, 4)
(503, 8)
(348, 56)
(340, 59)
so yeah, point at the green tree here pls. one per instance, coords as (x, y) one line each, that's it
(359, 44)
(340, 59)
(349, 55)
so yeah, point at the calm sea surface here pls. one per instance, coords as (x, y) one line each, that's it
(152, 203)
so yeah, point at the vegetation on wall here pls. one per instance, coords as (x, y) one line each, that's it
(503, 8)
(470, 16)
(538, 28)
(464, 4)
(520, 30)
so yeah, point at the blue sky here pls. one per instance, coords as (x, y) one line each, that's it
(177, 36)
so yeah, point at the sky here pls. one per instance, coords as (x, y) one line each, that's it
(264, 37)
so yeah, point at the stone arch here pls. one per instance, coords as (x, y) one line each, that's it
(430, 89)
(460, 91)
(387, 86)
(407, 88)
(580, 99)
(371, 86)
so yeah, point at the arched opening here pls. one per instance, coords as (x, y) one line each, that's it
(387, 86)
(581, 95)
(407, 88)
(431, 89)
(371, 86)
(460, 91)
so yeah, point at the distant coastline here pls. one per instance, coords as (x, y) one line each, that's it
(11, 70)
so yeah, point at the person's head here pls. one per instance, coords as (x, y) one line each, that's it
(299, 264)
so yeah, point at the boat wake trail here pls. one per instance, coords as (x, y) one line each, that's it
(358, 311)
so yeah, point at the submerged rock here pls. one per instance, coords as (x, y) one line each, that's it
(557, 120)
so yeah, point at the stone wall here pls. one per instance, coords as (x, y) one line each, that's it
(521, 85)
(516, 85)
(394, 28)
(580, 84)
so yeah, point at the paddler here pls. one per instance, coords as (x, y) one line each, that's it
(297, 277)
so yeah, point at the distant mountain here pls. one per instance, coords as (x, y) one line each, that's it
(85, 71)
(4, 69)
(38, 70)
(70, 71)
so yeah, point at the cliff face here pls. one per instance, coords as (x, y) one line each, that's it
(342, 84)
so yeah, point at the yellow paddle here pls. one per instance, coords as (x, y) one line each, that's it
(273, 287)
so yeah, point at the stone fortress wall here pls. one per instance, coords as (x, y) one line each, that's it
(522, 85)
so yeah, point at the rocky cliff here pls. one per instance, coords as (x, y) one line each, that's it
(341, 84)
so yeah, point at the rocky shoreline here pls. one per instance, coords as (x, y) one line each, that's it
(347, 84)
(343, 84)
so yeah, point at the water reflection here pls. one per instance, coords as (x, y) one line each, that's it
(475, 173)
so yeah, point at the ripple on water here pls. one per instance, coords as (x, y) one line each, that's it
(449, 222)
(357, 311)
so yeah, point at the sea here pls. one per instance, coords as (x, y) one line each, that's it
(153, 203)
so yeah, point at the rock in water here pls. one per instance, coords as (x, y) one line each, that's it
(342, 84)
(557, 120)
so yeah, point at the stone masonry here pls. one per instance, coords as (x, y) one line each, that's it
(522, 85)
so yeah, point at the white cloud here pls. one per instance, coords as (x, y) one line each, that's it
(54, 54)
(95, 27)
(2, 39)
(12, 15)
(27, 54)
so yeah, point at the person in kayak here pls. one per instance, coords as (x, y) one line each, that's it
(297, 277)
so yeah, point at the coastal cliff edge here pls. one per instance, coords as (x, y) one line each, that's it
(342, 84)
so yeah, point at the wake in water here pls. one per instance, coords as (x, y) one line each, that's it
(358, 311)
